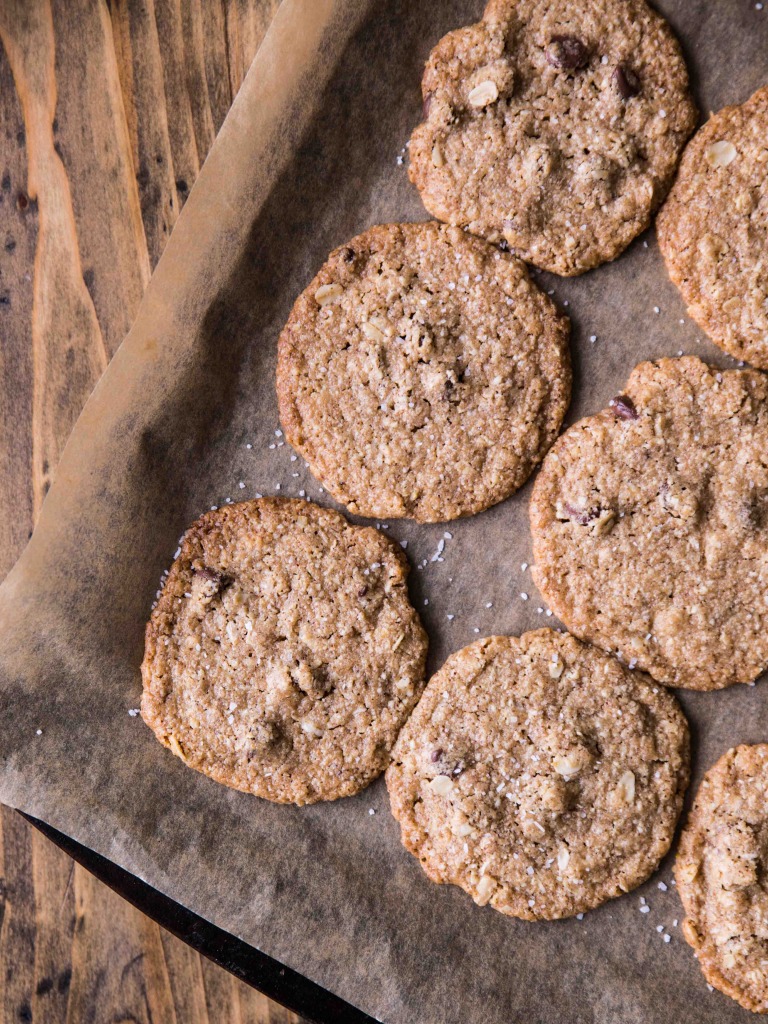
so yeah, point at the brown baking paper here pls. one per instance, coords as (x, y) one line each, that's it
(309, 156)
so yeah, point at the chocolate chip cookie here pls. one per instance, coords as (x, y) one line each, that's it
(283, 655)
(721, 870)
(540, 775)
(650, 524)
(713, 229)
(554, 125)
(422, 373)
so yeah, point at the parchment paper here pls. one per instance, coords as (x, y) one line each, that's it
(307, 158)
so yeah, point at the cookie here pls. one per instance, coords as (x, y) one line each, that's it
(555, 125)
(713, 229)
(422, 374)
(283, 655)
(650, 524)
(721, 870)
(540, 775)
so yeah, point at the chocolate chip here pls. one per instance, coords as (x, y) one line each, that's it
(582, 516)
(427, 105)
(567, 53)
(348, 254)
(209, 575)
(436, 755)
(623, 408)
(504, 245)
(211, 582)
(362, 591)
(626, 81)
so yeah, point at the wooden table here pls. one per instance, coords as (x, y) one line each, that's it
(107, 110)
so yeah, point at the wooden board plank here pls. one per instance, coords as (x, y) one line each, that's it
(141, 70)
(18, 241)
(53, 875)
(93, 142)
(185, 156)
(17, 920)
(68, 353)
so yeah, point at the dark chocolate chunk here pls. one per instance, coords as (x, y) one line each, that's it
(582, 516)
(623, 408)
(567, 53)
(626, 81)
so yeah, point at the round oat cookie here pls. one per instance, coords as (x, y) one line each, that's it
(713, 229)
(722, 876)
(422, 373)
(556, 125)
(540, 775)
(283, 655)
(650, 524)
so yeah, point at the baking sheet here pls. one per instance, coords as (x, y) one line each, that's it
(186, 418)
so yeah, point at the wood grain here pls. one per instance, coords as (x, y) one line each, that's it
(107, 112)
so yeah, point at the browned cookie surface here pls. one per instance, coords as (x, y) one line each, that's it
(650, 524)
(422, 373)
(283, 655)
(713, 229)
(554, 124)
(721, 871)
(540, 775)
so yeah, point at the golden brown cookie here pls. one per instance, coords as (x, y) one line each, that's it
(650, 524)
(555, 125)
(713, 229)
(283, 655)
(721, 870)
(422, 373)
(540, 775)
